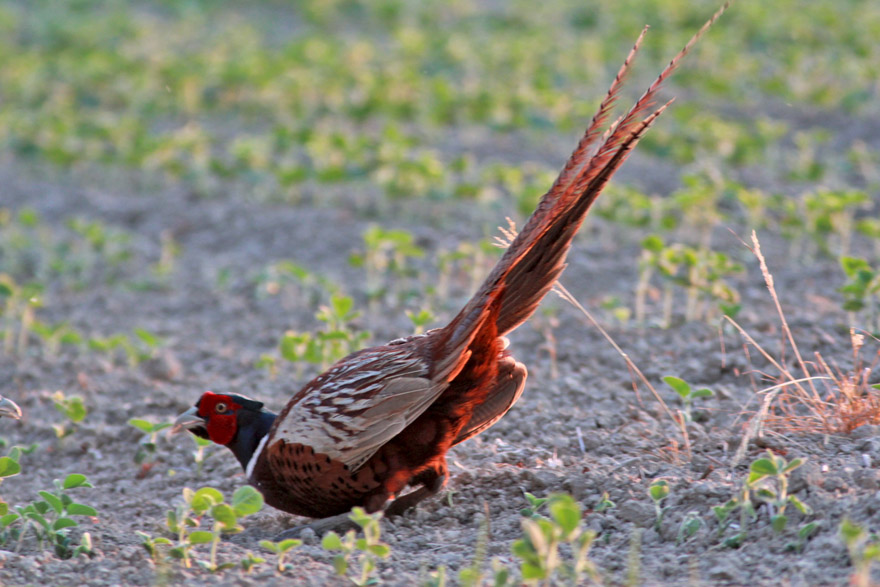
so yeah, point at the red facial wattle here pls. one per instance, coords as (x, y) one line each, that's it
(219, 412)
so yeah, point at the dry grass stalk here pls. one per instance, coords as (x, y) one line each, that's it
(679, 419)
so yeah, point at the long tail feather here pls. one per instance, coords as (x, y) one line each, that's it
(535, 258)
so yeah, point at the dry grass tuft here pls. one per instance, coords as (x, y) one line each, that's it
(822, 398)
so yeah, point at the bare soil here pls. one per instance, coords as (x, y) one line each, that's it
(584, 431)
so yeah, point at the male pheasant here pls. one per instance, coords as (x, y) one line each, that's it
(383, 418)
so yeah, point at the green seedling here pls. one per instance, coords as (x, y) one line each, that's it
(169, 251)
(386, 260)
(616, 308)
(73, 409)
(366, 551)
(147, 446)
(804, 533)
(185, 522)
(465, 266)
(201, 453)
(698, 200)
(864, 551)
(327, 346)
(807, 164)
(142, 346)
(631, 207)
(830, 214)
(19, 304)
(152, 545)
(535, 504)
(701, 273)
(249, 561)
(870, 228)
(435, 578)
(472, 575)
(604, 504)
(338, 336)
(768, 478)
(103, 242)
(687, 395)
(421, 319)
(658, 491)
(269, 362)
(50, 519)
(538, 549)
(55, 335)
(723, 516)
(861, 291)
(280, 549)
(287, 278)
(690, 525)
(9, 467)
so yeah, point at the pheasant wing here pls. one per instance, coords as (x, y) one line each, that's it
(360, 403)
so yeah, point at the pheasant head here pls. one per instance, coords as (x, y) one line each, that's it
(234, 421)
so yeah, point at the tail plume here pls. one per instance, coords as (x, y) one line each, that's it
(536, 257)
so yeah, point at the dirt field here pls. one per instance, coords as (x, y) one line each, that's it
(580, 428)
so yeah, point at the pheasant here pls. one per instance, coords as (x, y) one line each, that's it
(383, 418)
(9, 408)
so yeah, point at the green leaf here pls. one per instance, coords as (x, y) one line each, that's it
(200, 537)
(799, 505)
(62, 523)
(38, 519)
(41, 507)
(53, 501)
(8, 519)
(704, 392)
(807, 530)
(794, 464)
(331, 541)
(735, 541)
(778, 522)
(225, 515)
(763, 467)
(658, 490)
(380, 550)
(680, 386)
(289, 544)
(852, 264)
(75, 480)
(247, 500)
(532, 572)
(766, 494)
(141, 425)
(653, 244)
(172, 522)
(205, 498)
(566, 512)
(271, 546)
(148, 338)
(9, 467)
(78, 509)
(76, 410)
(340, 565)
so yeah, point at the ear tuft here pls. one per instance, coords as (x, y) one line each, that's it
(248, 403)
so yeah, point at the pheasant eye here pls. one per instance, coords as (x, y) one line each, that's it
(220, 408)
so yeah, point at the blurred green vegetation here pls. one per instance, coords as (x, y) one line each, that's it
(342, 100)
(279, 93)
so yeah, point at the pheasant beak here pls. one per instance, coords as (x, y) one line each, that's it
(190, 420)
(9, 409)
